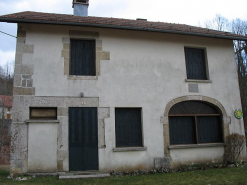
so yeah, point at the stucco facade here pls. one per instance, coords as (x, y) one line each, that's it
(133, 69)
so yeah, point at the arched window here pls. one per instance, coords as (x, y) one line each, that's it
(194, 122)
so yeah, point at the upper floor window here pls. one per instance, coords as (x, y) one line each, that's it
(82, 57)
(195, 63)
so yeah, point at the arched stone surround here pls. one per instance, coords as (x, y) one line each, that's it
(165, 120)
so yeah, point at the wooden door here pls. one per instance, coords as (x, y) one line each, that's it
(83, 139)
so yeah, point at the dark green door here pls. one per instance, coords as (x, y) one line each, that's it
(83, 139)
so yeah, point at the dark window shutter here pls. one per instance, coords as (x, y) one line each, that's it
(182, 130)
(195, 63)
(209, 129)
(128, 127)
(82, 57)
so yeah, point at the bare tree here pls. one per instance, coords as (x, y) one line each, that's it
(6, 91)
(239, 27)
(218, 23)
(6, 79)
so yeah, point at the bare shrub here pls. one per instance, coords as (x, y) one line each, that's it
(235, 145)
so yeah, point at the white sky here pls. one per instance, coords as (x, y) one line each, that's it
(190, 12)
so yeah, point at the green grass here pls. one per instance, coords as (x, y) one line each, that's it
(225, 176)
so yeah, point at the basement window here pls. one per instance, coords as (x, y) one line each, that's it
(42, 113)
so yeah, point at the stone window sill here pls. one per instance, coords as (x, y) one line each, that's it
(129, 149)
(42, 121)
(198, 81)
(196, 145)
(72, 77)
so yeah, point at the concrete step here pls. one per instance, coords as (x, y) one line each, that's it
(83, 175)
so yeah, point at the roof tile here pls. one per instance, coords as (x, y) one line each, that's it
(38, 17)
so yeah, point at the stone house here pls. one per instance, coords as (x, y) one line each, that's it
(94, 93)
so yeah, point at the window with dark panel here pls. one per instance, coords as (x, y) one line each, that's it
(82, 57)
(42, 113)
(195, 63)
(194, 122)
(128, 125)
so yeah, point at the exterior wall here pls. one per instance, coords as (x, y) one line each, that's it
(135, 69)
(42, 147)
(197, 155)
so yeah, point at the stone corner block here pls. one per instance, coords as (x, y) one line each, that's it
(164, 120)
(21, 40)
(62, 111)
(17, 80)
(227, 120)
(66, 66)
(103, 112)
(104, 55)
(99, 43)
(28, 48)
(195, 97)
(18, 58)
(210, 100)
(23, 91)
(21, 33)
(66, 40)
(24, 48)
(66, 46)
(62, 154)
(65, 53)
(180, 99)
(23, 69)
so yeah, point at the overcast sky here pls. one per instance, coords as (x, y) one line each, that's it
(191, 12)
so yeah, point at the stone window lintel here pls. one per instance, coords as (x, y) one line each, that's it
(100, 55)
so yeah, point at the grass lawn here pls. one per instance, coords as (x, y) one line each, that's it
(224, 176)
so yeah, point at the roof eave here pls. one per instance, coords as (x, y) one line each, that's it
(12, 20)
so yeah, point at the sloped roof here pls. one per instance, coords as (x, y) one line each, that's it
(6, 100)
(63, 19)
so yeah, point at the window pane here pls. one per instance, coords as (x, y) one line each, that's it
(209, 129)
(182, 130)
(128, 127)
(195, 63)
(82, 59)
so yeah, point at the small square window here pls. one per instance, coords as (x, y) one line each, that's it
(128, 127)
(43, 113)
(82, 57)
(195, 63)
